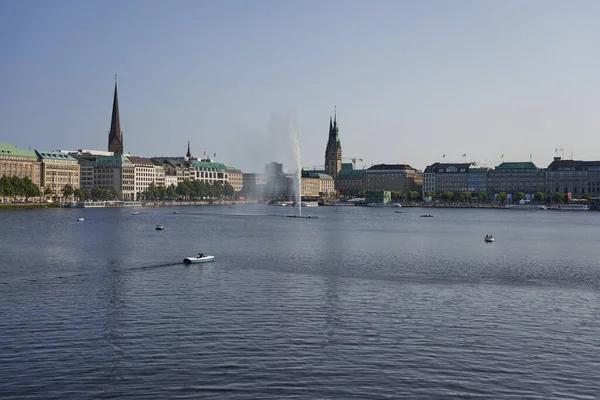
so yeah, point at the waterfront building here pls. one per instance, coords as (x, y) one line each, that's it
(277, 186)
(333, 151)
(477, 179)
(378, 197)
(254, 185)
(310, 187)
(159, 174)
(174, 167)
(573, 177)
(350, 181)
(19, 163)
(115, 135)
(516, 177)
(170, 180)
(87, 165)
(206, 171)
(57, 171)
(144, 174)
(393, 177)
(235, 177)
(446, 177)
(116, 173)
(325, 182)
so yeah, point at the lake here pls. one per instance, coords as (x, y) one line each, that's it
(360, 303)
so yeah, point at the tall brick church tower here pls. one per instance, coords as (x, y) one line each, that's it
(333, 152)
(115, 135)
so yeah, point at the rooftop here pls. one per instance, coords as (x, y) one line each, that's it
(54, 155)
(517, 166)
(7, 149)
(113, 160)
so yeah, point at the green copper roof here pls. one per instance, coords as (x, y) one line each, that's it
(203, 164)
(114, 160)
(351, 173)
(53, 155)
(516, 166)
(7, 149)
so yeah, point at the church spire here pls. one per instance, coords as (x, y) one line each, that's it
(189, 152)
(334, 117)
(115, 135)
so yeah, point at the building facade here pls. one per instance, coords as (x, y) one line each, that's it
(393, 177)
(441, 177)
(235, 177)
(254, 185)
(515, 177)
(207, 171)
(333, 151)
(116, 173)
(573, 177)
(350, 181)
(144, 174)
(19, 163)
(58, 170)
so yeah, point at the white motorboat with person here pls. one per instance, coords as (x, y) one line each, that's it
(200, 258)
(159, 227)
(489, 238)
(80, 219)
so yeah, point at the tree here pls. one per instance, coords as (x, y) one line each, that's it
(448, 196)
(587, 196)
(429, 194)
(171, 193)
(519, 196)
(414, 195)
(501, 196)
(362, 193)
(397, 196)
(559, 197)
(98, 193)
(539, 196)
(482, 196)
(228, 190)
(48, 192)
(68, 191)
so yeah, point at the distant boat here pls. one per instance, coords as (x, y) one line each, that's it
(175, 212)
(570, 207)
(159, 227)
(135, 213)
(399, 212)
(196, 260)
(427, 216)
(489, 238)
(80, 219)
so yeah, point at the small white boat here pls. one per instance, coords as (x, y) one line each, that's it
(80, 219)
(489, 238)
(175, 212)
(196, 260)
(135, 213)
(159, 227)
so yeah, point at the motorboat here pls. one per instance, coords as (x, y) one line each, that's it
(196, 259)
(489, 238)
(80, 219)
(175, 212)
(135, 213)
(159, 227)
(398, 212)
(397, 205)
(427, 216)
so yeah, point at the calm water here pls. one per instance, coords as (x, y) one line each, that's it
(358, 304)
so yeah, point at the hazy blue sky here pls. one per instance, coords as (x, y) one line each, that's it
(412, 80)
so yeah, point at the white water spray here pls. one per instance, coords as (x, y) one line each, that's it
(296, 146)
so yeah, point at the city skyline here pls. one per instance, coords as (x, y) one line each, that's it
(412, 81)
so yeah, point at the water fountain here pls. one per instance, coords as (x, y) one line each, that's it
(296, 146)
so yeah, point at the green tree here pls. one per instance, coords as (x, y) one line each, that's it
(519, 196)
(482, 196)
(68, 191)
(559, 197)
(48, 192)
(397, 196)
(98, 193)
(501, 196)
(414, 195)
(171, 192)
(448, 196)
(587, 196)
(430, 195)
(539, 196)
(362, 194)
(228, 190)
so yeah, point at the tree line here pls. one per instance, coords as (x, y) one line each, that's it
(13, 187)
(188, 190)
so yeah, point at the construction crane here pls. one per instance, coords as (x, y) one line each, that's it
(353, 159)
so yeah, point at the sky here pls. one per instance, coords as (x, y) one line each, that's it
(412, 81)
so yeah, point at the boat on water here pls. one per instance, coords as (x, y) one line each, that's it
(198, 259)
(426, 216)
(569, 207)
(80, 219)
(398, 212)
(175, 212)
(159, 227)
(135, 213)
(309, 204)
(398, 205)
(384, 205)
(489, 238)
